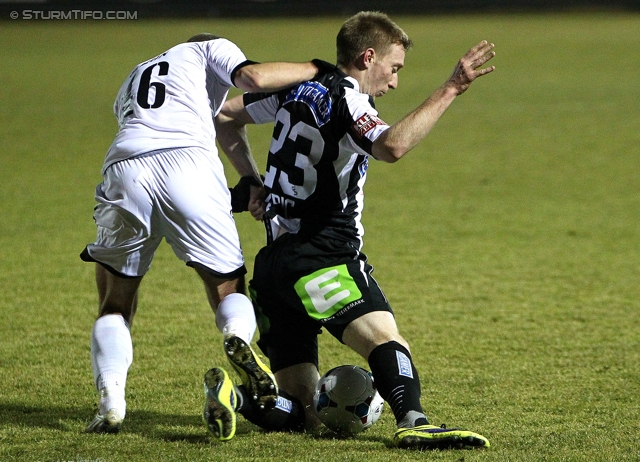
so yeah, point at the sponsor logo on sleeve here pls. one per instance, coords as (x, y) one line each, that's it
(366, 123)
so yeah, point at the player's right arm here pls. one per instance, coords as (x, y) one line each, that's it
(249, 193)
(232, 137)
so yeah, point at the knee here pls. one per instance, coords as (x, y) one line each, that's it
(107, 309)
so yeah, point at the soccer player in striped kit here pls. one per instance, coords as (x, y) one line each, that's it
(312, 273)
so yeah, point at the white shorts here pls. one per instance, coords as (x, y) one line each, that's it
(180, 195)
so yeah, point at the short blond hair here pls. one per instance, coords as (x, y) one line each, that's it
(203, 37)
(368, 29)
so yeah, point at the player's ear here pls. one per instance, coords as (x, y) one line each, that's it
(370, 56)
(367, 58)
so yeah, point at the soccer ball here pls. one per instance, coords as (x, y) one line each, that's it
(347, 401)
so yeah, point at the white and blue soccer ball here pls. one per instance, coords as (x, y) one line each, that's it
(347, 401)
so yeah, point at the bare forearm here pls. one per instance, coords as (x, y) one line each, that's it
(270, 77)
(232, 137)
(405, 134)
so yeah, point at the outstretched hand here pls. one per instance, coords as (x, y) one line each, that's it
(470, 67)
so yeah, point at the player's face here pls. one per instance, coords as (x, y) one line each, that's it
(384, 71)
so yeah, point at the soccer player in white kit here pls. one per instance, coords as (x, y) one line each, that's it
(162, 178)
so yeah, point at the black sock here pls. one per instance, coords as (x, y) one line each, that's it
(398, 383)
(287, 415)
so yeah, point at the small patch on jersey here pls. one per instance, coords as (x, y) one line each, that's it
(284, 404)
(404, 365)
(362, 168)
(366, 123)
(316, 96)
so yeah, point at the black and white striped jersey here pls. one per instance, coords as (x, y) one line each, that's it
(317, 164)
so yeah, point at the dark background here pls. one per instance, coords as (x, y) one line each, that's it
(267, 8)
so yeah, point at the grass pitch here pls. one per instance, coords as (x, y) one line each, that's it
(507, 243)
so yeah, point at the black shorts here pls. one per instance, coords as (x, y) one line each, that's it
(300, 286)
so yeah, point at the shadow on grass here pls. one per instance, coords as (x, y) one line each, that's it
(168, 427)
(328, 435)
(147, 424)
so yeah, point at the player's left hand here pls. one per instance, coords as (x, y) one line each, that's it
(470, 67)
(256, 205)
(246, 194)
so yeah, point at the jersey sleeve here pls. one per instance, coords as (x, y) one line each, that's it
(365, 125)
(262, 107)
(238, 67)
(224, 58)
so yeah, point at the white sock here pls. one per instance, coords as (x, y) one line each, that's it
(111, 356)
(235, 316)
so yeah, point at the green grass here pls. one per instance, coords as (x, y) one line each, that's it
(507, 243)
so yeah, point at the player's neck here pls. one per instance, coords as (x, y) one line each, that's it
(357, 74)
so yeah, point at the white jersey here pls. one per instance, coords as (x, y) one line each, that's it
(170, 101)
